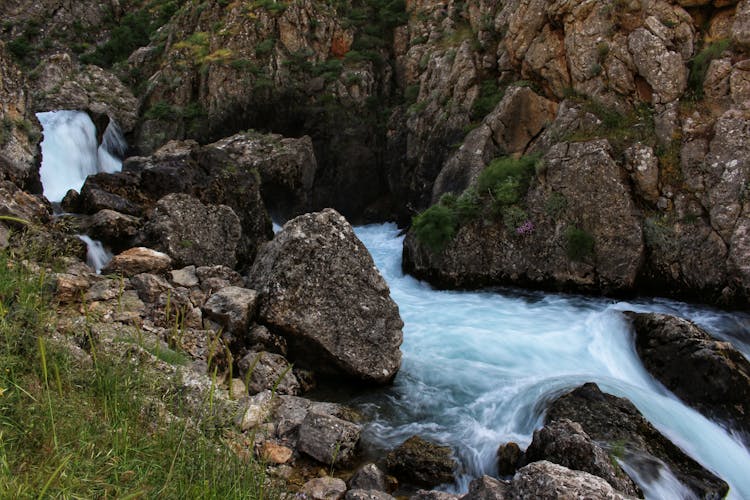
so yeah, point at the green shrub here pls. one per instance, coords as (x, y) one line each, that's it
(556, 205)
(265, 47)
(161, 111)
(579, 243)
(514, 216)
(489, 96)
(507, 179)
(435, 227)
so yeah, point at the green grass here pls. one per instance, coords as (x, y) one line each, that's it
(73, 429)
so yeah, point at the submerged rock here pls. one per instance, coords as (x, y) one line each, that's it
(609, 419)
(320, 289)
(708, 374)
(422, 463)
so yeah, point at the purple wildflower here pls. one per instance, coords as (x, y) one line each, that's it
(525, 229)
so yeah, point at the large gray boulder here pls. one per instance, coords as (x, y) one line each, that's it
(320, 288)
(708, 374)
(193, 233)
(545, 480)
(328, 439)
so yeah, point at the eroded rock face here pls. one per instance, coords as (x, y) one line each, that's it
(609, 419)
(709, 375)
(547, 480)
(594, 198)
(20, 134)
(320, 288)
(421, 462)
(193, 233)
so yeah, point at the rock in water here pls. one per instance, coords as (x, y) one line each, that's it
(709, 375)
(545, 480)
(421, 462)
(609, 419)
(321, 289)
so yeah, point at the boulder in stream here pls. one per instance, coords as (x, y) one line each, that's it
(422, 463)
(612, 420)
(321, 290)
(710, 375)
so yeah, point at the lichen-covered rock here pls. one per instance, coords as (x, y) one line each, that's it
(233, 308)
(546, 480)
(565, 443)
(193, 233)
(487, 488)
(708, 374)
(138, 260)
(117, 231)
(265, 370)
(324, 488)
(368, 477)
(328, 439)
(322, 291)
(420, 462)
(609, 419)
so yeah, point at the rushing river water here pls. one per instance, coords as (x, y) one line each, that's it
(479, 369)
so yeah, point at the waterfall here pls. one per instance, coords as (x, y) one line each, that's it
(70, 153)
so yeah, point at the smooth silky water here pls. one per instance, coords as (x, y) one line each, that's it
(70, 153)
(480, 368)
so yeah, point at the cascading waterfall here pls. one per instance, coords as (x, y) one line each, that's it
(479, 369)
(70, 153)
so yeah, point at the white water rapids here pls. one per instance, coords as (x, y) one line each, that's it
(70, 153)
(479, 369)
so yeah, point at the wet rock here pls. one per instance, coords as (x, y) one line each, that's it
(708, 374)
(368, 477)
(328, 439)
(324, 488)
(193, 233)
(138, 260)
(421, 462)
(264, 370)
(547, 480)
(233, 308)
(565, 443)
(508, 458)
(609, 419)
(487, 488)
(335, 310)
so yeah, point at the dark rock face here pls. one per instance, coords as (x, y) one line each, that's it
(597, 201)
(368, 477)
(565, 443)
(233, 308)
(321, 290)
(609, 419)
(509, 457)
(709, 375)
(193, 233)
(422, 463)
(117, 231)
(487, 488)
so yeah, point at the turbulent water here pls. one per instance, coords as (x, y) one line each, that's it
(70, 153)
(479, 369)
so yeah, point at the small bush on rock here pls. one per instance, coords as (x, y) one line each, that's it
(580, 243)
(435, 227)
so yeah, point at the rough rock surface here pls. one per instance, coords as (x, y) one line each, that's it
(193, 233)
(324, 488)
(320, 288)
(597, 201)
(609, 419)
(328, 439)
(368, 477)
(565, 443)
(265, 370)
(233, 308)
(357, 494)
(545, 480)
(421, 462)
(509, 457)
(708, 374)
(138, 260)
(117, 231)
